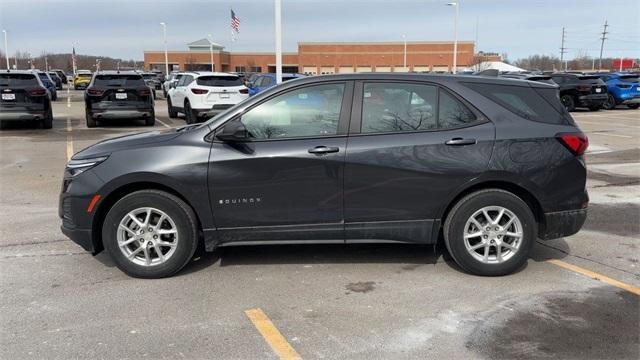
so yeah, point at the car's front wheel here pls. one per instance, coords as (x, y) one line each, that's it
(150, 234)
(490, 232)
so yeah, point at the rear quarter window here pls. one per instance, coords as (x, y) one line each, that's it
(18, 80)
(540, 105)
(219, 81)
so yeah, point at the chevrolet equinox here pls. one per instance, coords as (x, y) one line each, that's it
(488, 165)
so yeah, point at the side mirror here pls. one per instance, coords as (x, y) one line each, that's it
(233, 131)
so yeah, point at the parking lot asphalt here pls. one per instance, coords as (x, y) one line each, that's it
(577, 297)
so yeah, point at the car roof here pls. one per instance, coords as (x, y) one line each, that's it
(272, 75)
(116, 72)
(440, 78)
(209, 73)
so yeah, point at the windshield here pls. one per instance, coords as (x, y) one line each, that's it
(118, 80)
(18, 80)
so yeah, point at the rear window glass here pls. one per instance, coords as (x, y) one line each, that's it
(219, 81)
(629, 78)
(149, 76)
(288, 78)
(590, 80)
(118, 80)
(84, 75)
(541, 105)
(18, 80)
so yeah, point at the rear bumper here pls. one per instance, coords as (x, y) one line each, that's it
(21, 115)
(214, 110)
(121, 114)
(562, 223)
(592, 99)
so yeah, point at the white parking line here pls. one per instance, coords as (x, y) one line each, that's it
(608, 124)
(69, 140)
(614, 135)
(606, 116)
(163, 123)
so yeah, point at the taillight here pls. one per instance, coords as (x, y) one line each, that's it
(584, 87)
(95, 92)
(199, 91)
(37, 91)
(144, 92)
(244, 91)
(577, 142)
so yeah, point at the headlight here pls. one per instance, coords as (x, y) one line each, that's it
(75, 167)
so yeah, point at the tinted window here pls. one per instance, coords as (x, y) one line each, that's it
(219, 81)
(590, 80)
(185, 80)
(309, 112)
(18, 80)
(266, 81)
(452, 112)
(558, 79)
(393, 107)
(629, 78)
(83, 75)
(523, 101)
(118, 80)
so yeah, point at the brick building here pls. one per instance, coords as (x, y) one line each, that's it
(322, 57)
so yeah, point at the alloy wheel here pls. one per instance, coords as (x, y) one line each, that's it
(493, 234)
(147, 236)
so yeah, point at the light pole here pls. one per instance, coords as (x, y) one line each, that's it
(166, 54)
(455, 35)
(6, 48)
(404, 62)
(211, 50)
(278, 21)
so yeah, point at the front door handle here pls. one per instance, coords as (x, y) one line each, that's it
(323, 150)
(460, 141)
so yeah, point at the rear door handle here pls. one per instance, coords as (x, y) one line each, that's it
(323, 150)
(461, 141)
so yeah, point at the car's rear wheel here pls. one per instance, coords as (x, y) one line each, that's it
(150, 234)
(567, 101)
(189, 114)
(633, 106)
(173, 113)
(151, 119)
(47, 122)
(610, 103)
(91, 121)
(490, 232)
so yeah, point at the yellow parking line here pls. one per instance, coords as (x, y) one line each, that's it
(69, 140)
(272, 336)
(596, 276)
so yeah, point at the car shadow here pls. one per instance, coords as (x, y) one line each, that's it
(544, 250)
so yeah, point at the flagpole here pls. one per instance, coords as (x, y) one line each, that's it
(278, 23)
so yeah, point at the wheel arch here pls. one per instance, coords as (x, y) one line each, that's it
(526, 195)
(118, 193)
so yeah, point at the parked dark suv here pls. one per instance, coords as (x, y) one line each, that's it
(578, 90)
(24, 97)
(488, 164)
(115, 94)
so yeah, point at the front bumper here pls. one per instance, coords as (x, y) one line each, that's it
(81, 237)
(562, 223)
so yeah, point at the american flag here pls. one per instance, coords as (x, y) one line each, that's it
(235, 22)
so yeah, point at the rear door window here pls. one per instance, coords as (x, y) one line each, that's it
(221, 81)
(541, 105)
(18, 80)
(118, 81)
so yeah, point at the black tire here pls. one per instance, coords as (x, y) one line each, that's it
(633, 106)
(454, 229)
(610, 103)
(173, 113)
(181, 214)
(188, 113)
(54, 96)
(567, 101)
(151, 120)
(91, 121)
(47, 122)
(594, 108)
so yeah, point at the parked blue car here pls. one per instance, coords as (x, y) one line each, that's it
(624, 89)
(48, 83)
(264, 81)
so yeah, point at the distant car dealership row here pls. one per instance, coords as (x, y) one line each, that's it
(315, 58)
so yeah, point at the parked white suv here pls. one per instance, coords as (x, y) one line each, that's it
(200, 94)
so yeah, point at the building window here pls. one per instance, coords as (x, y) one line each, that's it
(257, 69)
(240, 69)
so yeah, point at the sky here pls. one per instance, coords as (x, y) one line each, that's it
(124, 29)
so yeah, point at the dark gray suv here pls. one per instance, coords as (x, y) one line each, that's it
(486, 164)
